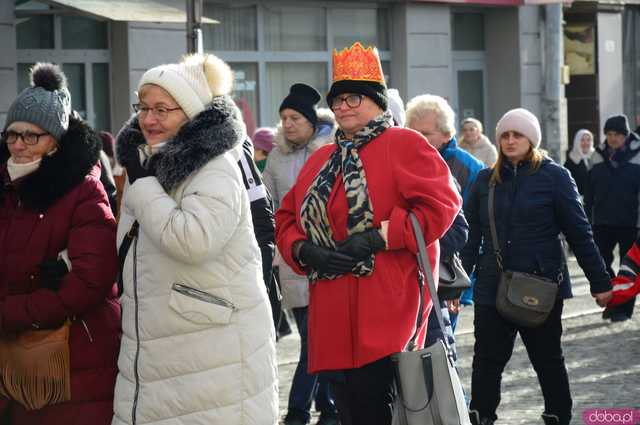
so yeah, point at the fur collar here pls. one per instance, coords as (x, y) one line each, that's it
(212, 132)
(481, 144)
(321, 137)
(77, 154)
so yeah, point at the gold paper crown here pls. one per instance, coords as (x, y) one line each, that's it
(357, 63)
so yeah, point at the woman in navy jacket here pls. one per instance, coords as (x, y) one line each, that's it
(535, 200)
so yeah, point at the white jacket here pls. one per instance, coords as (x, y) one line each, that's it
(198, 345)
(281, 171)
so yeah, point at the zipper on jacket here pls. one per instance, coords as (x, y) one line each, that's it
(137, 322)
(202, 296)
(86, 328)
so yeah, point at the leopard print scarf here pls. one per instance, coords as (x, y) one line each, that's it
(345, 159)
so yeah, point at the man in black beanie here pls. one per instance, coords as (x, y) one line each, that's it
(611, 198)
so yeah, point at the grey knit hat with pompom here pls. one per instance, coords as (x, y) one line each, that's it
(46, 103)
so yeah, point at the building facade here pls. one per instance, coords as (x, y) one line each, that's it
(484, 57)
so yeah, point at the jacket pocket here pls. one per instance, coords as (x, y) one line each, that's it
(200, 307)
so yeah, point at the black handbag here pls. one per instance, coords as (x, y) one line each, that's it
(452, 278)
(427, 383)
(522, 298)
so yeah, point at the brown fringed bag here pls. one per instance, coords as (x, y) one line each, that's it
(35, 367)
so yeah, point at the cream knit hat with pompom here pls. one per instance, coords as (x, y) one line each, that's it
(193, 83)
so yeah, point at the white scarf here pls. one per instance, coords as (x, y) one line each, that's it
(576, 153)
(146, 151)
(20, 170)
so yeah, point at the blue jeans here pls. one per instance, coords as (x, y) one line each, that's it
(305, 387)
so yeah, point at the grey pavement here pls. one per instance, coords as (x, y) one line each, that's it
(603, 360)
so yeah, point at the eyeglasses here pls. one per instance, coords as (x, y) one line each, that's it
(160, 112)
(28, 138)
(352, 101)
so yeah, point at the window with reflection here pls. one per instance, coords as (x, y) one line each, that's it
(280, 76)
(245, 92)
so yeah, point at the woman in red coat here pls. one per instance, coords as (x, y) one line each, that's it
(345, 224)
(57, 260)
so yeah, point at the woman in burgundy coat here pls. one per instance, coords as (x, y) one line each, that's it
(57, 252)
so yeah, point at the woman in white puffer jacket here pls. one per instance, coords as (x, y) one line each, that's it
(198, 345)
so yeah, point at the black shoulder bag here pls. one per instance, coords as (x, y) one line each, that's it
(522, 298)
(122, 253)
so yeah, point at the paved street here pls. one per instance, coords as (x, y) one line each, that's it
(603, 359)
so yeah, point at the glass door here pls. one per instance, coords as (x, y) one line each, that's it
(469, 100)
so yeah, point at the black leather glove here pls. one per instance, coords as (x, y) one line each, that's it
(51, 273)
(362, 245)
(136, 171)
(326, 261)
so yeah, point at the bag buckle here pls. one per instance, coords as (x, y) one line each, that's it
(133, 232)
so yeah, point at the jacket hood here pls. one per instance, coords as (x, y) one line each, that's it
(77, 155)
(324, 134)
(214, 131)
(631, 149)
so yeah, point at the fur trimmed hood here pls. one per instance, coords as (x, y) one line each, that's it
(77, 154)
(320, 137)
(214, 131)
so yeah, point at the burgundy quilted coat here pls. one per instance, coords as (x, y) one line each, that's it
(62, 205)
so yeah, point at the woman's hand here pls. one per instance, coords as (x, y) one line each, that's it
(603, 298)
(51, 273)
(325, 261)
(362, 245)
(136, 171)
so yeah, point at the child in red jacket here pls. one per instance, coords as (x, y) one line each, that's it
(626, 284)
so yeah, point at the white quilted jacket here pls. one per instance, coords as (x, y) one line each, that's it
(198, 345)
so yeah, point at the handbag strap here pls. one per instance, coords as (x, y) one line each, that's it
(425, 269)
(122, 253)
(492, 225)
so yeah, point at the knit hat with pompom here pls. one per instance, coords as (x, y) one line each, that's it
(193, 83)
(46, 103)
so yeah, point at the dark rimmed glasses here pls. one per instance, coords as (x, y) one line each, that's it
(28, 137)
(352, 101)
(160, 112)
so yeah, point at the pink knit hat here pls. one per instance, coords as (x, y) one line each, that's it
(263, 138)
(522, 121)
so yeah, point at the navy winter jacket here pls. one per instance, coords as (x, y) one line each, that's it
(530, 212)
(613, 188)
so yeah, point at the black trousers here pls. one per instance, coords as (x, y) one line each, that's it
(607, 237)
(495, 338)
(364, 396)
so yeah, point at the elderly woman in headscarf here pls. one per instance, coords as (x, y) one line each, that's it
(58, 268)
(198, 340)
(476, 143)
(578, 159)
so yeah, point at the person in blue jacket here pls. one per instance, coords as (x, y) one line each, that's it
(612, 198)
(535, 200)
(432, 116)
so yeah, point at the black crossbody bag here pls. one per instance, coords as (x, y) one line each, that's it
(522, 298)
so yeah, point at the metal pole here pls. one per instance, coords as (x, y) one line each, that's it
(194, 30)
(554, 104)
